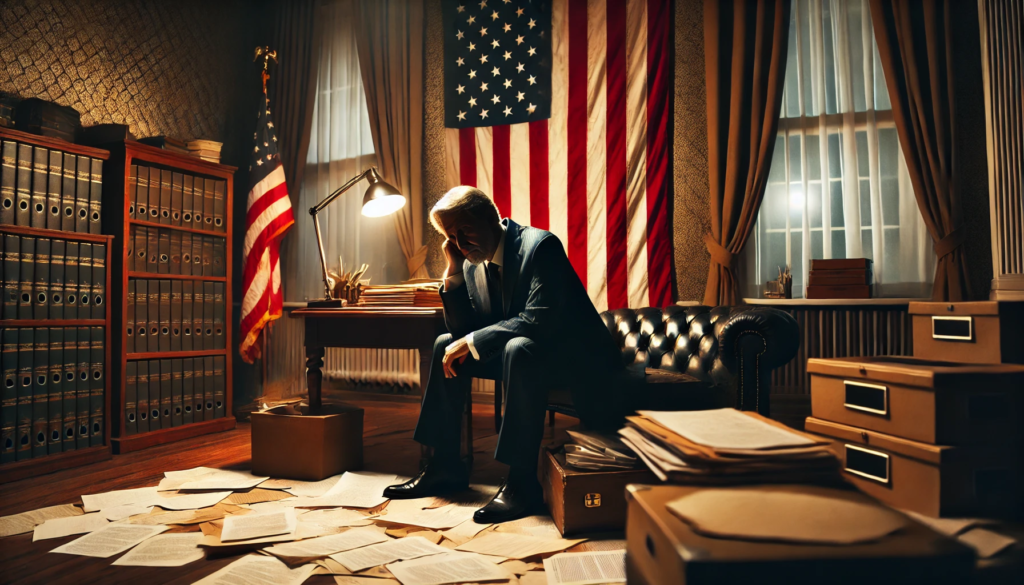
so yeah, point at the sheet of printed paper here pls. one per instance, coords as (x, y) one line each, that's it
(134, 497)
(304, 489)
(448, 568)
(534, 578)
(224, 479)
(60, 527)
(464, 532)
(165, 550)
(26, 521)
(110, 540)
(258, 570)
(328, 545)
(121, 512)
(258, 525)
(190, 501)
(173, 480)
(433, 518)
(358, 580)
(257, 496)
(355, 489)
(394, 550)
(725, 428)
(986, 542)
(515, 546)
(586, 567)
(339, 517)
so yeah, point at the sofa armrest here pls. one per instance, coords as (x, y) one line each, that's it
(752, 343)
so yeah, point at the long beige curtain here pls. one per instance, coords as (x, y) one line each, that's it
(390, 40)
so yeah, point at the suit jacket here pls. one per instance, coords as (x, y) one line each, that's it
(543, 300)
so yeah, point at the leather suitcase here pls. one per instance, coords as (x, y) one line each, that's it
(587, 501)
(661, 548)
(983, 332)
(932, 402)
(934, 480)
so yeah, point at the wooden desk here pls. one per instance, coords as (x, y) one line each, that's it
(377, 327)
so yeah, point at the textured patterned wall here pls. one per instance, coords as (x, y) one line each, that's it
(691, 217)
(161, 67)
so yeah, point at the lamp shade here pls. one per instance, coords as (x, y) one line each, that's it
(381, 198)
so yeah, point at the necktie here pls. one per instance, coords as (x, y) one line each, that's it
(494, 291)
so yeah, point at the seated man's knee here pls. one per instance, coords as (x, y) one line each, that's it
(519, 349)
(442, 342)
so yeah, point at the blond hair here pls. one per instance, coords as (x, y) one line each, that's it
(463, 198)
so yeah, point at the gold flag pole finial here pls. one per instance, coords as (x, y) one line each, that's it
(267, 55)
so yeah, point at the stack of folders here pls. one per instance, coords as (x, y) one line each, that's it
(161, 394)
(839, 278)
(53, 390)
(173, 198)
(50, 189)
(727, 446)
(207, 150)
(598, 451)
(47, 278)
(174, 315)
(165, 251)
(419, 293)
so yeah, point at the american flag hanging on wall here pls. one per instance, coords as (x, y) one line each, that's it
(559, 110)
(268, 216)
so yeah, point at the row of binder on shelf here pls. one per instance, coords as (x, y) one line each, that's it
(178, 199)
(161, 394)
(47, 278)
(44, 188)
(53, 391)
(174, 315)
(161, 251)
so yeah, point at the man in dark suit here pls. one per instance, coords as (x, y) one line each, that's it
(516, 312)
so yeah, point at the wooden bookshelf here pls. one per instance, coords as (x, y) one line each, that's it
(17, 470)
(118, 221)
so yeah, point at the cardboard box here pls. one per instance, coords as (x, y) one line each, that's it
(661, 548)
(981, 332)
(307, 447)
(934, 480)
(587, 501)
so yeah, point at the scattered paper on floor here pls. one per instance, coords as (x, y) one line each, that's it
(433, 518)
(464, 532)
(165, 550)
(304, 489)
(121, 512)
(110, 540)
(357, 580)
(252, 526)
(447, 568)
(26, 521)
(61, 527)
(190, 501)
(986, 542)
(586, 567)
(515, 546)
(134, 497)
(339, 517)
(534, 578)
(224, 479)
(388, 552)
(355, 489)
(258, 570)
(256, 496)
(328, 545)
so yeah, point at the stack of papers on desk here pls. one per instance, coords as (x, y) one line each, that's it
(726, 446)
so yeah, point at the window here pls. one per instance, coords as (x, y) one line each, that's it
(838, 185)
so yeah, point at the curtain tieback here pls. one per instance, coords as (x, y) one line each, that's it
(950, 242)
(718, 254)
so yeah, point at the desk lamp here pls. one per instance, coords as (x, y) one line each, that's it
(379, 200)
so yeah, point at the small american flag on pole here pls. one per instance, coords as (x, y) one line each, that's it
(560, 111)
(268, 216)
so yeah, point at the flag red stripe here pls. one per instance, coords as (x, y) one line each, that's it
(539, 187)
(615, 152)
(659, 243)
(576, 123)
(467, 156)
(265, 238)
(501, 171)
(266, 200)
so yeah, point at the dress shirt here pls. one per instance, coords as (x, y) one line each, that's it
(454, 281)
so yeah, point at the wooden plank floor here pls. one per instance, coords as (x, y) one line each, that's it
(387, 444)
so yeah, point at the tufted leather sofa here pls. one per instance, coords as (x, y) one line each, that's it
(698, 357)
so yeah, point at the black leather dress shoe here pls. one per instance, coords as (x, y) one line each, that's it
(434, 480)
(514, 500)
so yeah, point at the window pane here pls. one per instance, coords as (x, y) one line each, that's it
(831, 106)
(839, 244)
(817, 248)
(796, 245)
(862, 154)
(891, 273)
(796, 205)
(777, 174)
(837, 204)
(865, 202)
(890, 201)
(856, 54)
(774, 206)
(888, 152)
(813, 147)
(794, 158)
(814, 204)
(881, 91)
(865, 242)
(773, 255)
(835, 165)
